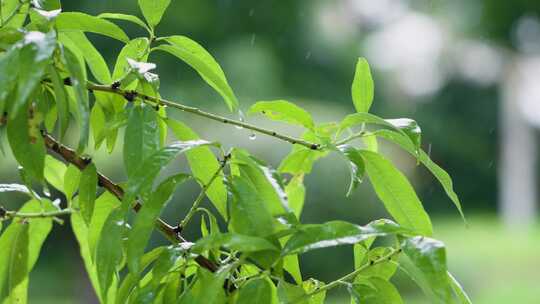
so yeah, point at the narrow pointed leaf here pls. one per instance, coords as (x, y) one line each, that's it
(283, 110)
(93, 58)
(257, 291)
(87, 191)
(201, 61)
(153, 10)
(362, 89)
(76, 21)
(375, 291)
(233, 241)
(125, 17)
(141, 138)
(357, 166)
(396, 193)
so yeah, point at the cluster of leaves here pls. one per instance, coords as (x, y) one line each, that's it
(52, 77)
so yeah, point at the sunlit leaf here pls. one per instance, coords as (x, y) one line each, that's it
(125, 17)
(362, 89)
(87, 191)
(54, 172)
(357, 166)
(153, 10)
(76, 21)
(199, 59)
(233, 241)
(283, 110)
(93, 58)
(396, 193)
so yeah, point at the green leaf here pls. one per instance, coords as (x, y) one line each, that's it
(131, 279)
(312, 285)
(21, 243)
(136, 49)
(145, 220)
(76, 21)
(257, 291)
(357, 166)
(458, 290)
(97, 124)
(233, 241)
(104, 205)
(125, 17)
(203, 166)
(9, 70)
(264, 179)
(289, 293)
(283, 110)
(61, 99)
(71, 181)
(34, 55)
(109, 250)
(396, 193)
(87, 191)
(425, 262)
(249, 214)
(442, 176)
(148, 170)
(404, 126)
(153, 10)
(209, 287)
(201, 61)
(27, 145)
(54, 172)
(360, 252)
(93, 58)
(8, 8)
(80, 230)
(384, 270)
(296, 193)
(375, 291)
(362, 89)
(141, 138)
(78, 80)
(335, 233)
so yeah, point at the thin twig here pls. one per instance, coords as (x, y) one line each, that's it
(202, 194)
(349, 276)
(12, 214)
(167, 230)
(130, 95)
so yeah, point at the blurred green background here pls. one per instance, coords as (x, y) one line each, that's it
(467, 71)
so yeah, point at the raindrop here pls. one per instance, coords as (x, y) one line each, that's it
(253, 39)
(308, 55)
(429, 150)
(241, 118)
(251, 12)
(252, 136)
(46, 190)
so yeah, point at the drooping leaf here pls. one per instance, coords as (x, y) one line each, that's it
(153, 10)
(440, 174)
(109, 250)
(14, 188)
(209, 287)
(87, 191)
(21, 243)
(396, 193)
(78, 81)
(405, 126)
(54, 172)
(458, 290)
(61, 99)
(145, 220)
(425, 262)
(335, 233)
(357, 166)
(125, 17)
(233, 241)
(203, 166)
(375, 291)
(201, 61)
(104, 205)
(71, 179)
(27, 145)
(257, 291)
(283, 110)
(249, 214)
(141, 138)
(362, 89)
(35, 52)
(9, 71)
(296, 193)
(93, 58)
(148, 170)
(264, 179)
(76, 21)
(289, 293)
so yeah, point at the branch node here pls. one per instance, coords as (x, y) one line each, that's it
(67, 81)
(115, 85)
(130, 95)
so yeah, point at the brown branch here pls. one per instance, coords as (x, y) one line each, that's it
(70, 156)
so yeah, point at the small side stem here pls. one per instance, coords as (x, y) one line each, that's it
(349, 276)
(12, 214)
(202, 194)
(350, 138)
(130, 95)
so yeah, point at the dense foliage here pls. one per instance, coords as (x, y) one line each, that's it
(45, 88)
